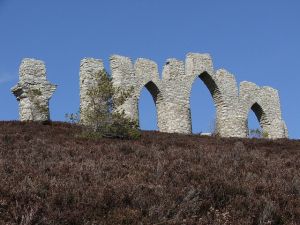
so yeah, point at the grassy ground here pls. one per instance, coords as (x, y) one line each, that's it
(51, 176)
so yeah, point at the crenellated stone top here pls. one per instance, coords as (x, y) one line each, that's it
(32, 71)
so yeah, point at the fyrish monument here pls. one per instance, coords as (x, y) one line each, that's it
(33, 91)
(171, 93)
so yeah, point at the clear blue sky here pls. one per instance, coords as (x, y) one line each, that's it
(256, 40)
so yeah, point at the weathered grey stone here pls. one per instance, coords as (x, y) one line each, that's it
(33, 91)
(265, 103)
(171, 94)
(144, 73)
(89, 77)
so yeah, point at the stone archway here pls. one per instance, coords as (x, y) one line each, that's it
(261, 117)
(153, 106)
(265, 103)
(143, 73)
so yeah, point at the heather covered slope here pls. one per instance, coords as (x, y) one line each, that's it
(51, 176)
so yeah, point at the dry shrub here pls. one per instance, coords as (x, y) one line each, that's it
(103, 115)
(51, 176)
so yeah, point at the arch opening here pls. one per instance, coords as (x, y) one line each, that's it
(203, 112)
(257, 122)
(153, 90)
(212, 87)
(147, 107)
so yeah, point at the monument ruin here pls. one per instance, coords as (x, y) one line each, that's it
(170, 92)
(33, 91)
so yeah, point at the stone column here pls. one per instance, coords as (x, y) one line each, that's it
(33, 91)
(89, 77)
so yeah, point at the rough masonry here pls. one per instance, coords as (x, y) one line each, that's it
(33, 91)
(171, 94)
(89, 77)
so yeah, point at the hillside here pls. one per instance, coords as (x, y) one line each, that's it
(49, 175)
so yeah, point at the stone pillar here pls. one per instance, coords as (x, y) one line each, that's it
(177, 116)
(89, 77)
(33, 91)
(231, 125)
(123, 77)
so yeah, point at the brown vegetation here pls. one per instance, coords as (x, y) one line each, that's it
(50, 176)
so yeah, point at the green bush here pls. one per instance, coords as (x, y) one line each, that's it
(102, 119)
(258, 133)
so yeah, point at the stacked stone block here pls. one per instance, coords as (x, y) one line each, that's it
(89, 77)
(33, 91)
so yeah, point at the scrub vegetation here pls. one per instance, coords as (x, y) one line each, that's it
(51, 175)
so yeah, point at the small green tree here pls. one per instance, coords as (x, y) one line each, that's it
(101, 117)
(258, 133)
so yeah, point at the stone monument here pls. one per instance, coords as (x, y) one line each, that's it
(33, 91)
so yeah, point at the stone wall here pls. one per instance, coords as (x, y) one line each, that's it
(171, 95)
(33, 91)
